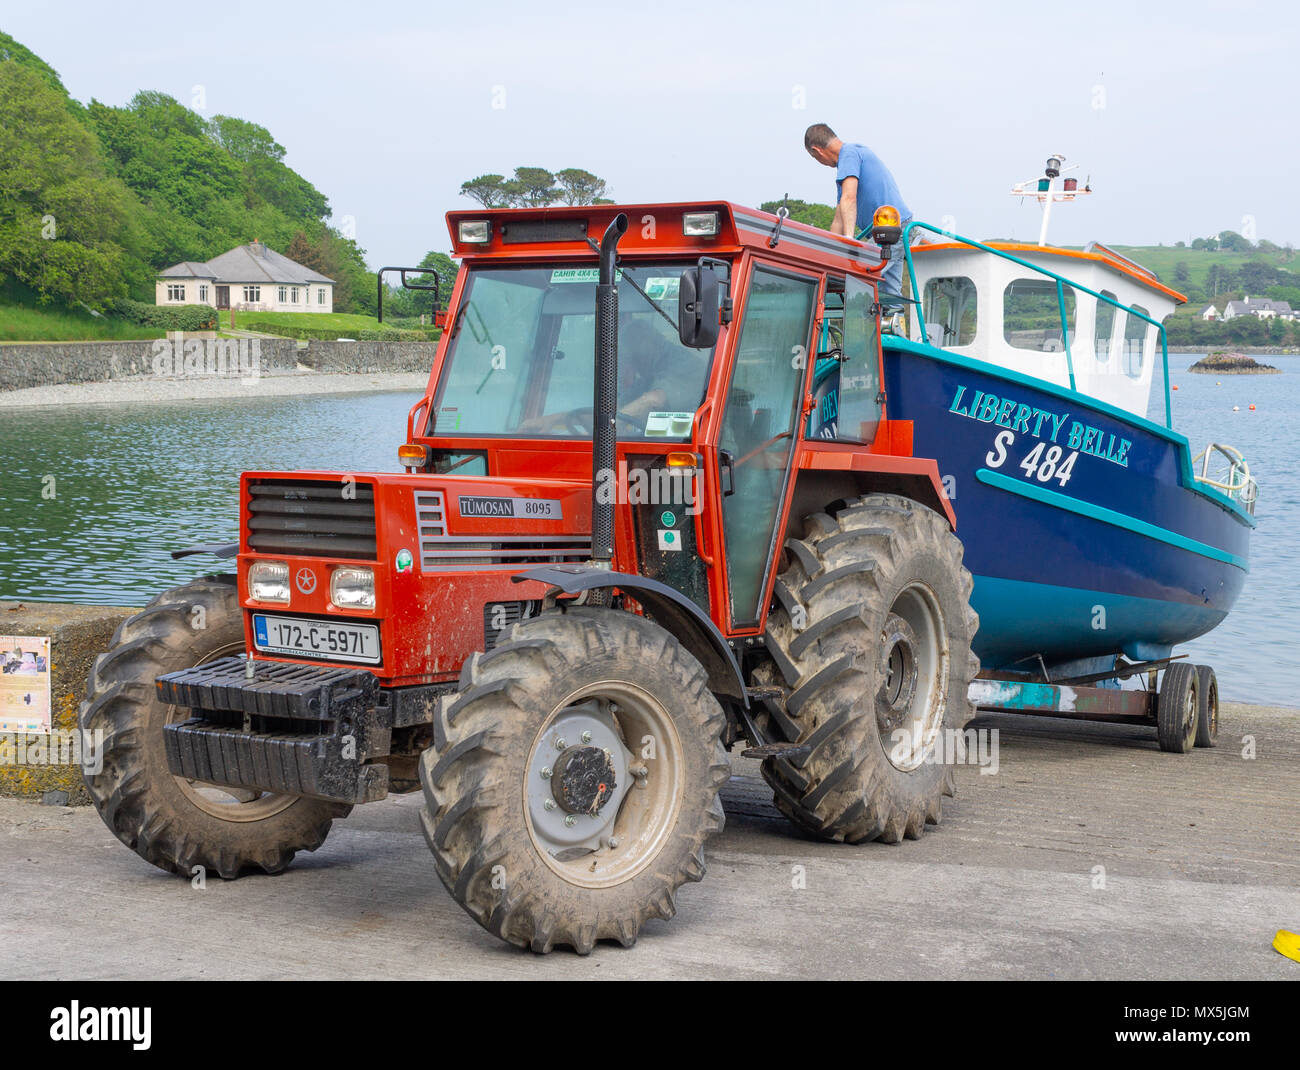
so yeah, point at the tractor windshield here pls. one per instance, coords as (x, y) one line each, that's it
(522, 351)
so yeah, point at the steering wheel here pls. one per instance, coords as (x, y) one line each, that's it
(574, 420)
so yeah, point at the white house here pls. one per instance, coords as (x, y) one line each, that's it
(1263, 307)
(249, 277)
(1209, 313)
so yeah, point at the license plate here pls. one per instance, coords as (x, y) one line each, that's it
(301, 637)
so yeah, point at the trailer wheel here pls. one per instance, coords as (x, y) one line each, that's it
(1177, 708)
(573, 781)
(872, 630)
(1207, 707)
(175, 823)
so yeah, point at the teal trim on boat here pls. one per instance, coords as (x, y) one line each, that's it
(1064, 618)
(1107, 516)
(1187, 478)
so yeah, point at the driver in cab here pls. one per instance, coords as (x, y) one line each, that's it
(652, 372)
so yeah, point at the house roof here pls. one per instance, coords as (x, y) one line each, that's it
(1258, 304)
(250, 263)
(187, 269)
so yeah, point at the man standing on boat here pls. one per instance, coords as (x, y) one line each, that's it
(862, 184)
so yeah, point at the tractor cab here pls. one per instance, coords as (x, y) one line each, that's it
(710, 426)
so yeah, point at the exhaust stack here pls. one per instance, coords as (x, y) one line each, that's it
(605, 410)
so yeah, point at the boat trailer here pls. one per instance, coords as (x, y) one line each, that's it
(1184, 709)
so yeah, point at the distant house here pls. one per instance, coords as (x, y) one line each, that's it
(1262, 307)
(249, 277)
(1209, 313)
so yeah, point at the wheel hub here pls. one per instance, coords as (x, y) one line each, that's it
(899, 673)
(913, 671)
(583, 780)
(578, 776)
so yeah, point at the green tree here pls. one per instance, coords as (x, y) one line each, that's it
(1231, 241)
(580, 187)
(445, 268)
(65, 229)
(816, 215)
(1181, 275)
(400, 302)
(488, 190)
(534, 187)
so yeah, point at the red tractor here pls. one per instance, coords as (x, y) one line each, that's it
(653, 507)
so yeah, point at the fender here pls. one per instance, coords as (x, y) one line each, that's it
(671, 609)
(895, 473)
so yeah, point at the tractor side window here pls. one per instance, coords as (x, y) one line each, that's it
(859, 389)
(758, 427)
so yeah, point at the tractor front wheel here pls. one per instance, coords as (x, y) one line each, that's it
(573, 781)
(180, 825)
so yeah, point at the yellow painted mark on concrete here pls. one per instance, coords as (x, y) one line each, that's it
(1288, 944)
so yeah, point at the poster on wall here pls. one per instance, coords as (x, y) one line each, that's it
(25, 684)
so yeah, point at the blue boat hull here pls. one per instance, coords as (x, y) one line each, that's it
(1117, 549)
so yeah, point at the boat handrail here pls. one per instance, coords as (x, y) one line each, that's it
(1061, 283)
(1239, 484)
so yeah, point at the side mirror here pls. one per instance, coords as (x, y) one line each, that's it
(697, 308)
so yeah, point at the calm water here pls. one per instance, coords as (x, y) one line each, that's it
(134, 482)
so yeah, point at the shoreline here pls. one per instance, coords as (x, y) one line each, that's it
(145, 391)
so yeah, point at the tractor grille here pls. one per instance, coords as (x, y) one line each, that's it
(313, 518)
(440, 552)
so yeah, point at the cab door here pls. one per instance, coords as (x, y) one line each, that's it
(847, 396)
(759, 428)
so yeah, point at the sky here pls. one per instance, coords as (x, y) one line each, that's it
(1182, 115)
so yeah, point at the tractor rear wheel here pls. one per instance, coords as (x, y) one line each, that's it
(175, 823)
(872, 631)
(573, 781)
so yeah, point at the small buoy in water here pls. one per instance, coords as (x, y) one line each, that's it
(1174, 387)
(1218, 383)
(1252, 407)
(1236, 408)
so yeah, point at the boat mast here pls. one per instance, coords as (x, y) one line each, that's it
(1046, 191)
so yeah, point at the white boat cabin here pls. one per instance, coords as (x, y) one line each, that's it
(993, 309)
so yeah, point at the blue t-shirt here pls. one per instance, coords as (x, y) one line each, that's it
(876, 186)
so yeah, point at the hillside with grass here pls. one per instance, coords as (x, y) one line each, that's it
(95, 199)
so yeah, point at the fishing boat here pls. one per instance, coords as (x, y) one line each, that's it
(1096, 535)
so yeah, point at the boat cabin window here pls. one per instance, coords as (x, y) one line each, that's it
(949, 309)
(1104, 329)
(1031, 315)
(1135, 337)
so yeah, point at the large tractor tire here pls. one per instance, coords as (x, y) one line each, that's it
(180, 825)
(872, 631)
(573, 782)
